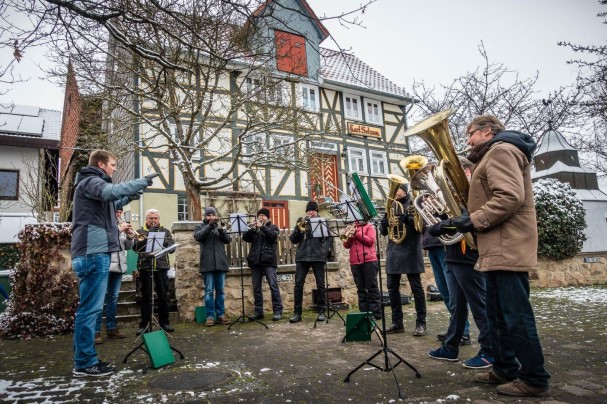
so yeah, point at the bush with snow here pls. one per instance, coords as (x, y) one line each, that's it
(561, 219)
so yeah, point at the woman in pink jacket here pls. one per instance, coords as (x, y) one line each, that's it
(363, 262)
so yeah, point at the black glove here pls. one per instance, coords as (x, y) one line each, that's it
(135, 196)
(462, 223)
(384, 222)
(150, 178)
(440, 228)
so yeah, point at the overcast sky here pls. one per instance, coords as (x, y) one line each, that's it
(431, 40)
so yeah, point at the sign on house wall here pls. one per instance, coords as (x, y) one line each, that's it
(363, 130)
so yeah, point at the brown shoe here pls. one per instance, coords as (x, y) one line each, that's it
(420, 330)
(98, 339)
(223, 320)
(518, 388)
(489, 378)
(395, 329)
(115, 334)
(210, 321)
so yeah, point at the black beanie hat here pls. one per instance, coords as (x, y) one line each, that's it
(404, 187)
(312, 206)
(264, 211)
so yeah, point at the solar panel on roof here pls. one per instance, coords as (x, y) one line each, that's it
(9, 123)
(26, 110)
(31, 125)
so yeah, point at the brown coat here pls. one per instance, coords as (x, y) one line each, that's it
(502, 210)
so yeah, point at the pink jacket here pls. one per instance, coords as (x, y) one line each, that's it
(362, 244)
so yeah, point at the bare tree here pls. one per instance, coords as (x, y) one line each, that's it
(495, 89)
(196, 78)
(592, 83)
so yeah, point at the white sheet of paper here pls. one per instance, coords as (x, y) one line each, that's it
(155, 241)
(239, 222)
(319, 227)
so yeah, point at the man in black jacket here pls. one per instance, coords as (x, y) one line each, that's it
(263, 235)
(405, 258)
(158, 268)
(311, 253)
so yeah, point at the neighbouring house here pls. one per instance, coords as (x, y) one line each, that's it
(287, 128)
(29, 137)
(556, 158)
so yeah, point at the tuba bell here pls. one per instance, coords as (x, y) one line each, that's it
(412, 164)
(449, 174)
(396, 231)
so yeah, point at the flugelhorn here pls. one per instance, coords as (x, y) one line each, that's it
(303, 224)
(130, 232)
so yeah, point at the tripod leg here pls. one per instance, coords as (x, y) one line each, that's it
(366, 362)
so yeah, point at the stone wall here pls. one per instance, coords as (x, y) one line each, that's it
(189, 283)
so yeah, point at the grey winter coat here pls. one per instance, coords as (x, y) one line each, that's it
(407, 257)
(309, 248)
(213, 240)
(118, 262)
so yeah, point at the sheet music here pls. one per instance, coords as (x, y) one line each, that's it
(238, 222)
(351, 208)
(167, 250)
(319, 227)
(155, 241)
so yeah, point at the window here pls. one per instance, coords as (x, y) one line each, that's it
(286, 152)
(291, 53)
(265, 90)
(379, 163)
(373, 109)
(193, 142)
(182, 208)
(352, 106)
(9, 185)
(308, 97)
(253, 146)
(357, 159)
(322, 145)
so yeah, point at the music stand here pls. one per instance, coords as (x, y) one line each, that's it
(320, 228)
(364, 203)
(153, 251)
(239, 225)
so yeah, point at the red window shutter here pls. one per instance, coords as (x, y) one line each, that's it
(291, 53)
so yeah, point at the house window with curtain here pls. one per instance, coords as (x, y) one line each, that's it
(357, 159)
(373, 111)
(308, 97)
(379, 163)
(182, 208)
(352, 106)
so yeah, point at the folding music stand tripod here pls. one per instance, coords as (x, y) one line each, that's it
(385, 350)
(320, 229)
(239, 226)
(154, 251)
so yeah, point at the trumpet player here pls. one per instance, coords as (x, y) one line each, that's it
(405, 258)
(263, 235)
(360, 240)
(213, 264)
(312, 253)
(158, 271)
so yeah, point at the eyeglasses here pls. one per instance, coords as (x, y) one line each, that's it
(470, 134)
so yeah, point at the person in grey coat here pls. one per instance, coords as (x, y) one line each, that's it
(213, 264)
(405, 258)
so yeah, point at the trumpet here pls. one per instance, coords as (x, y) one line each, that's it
(348, 233)
(255, 224)
(130, 232)
(303, 224)
(219, 222)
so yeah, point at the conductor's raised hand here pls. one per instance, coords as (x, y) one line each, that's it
(150, 178)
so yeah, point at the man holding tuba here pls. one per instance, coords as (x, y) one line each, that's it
(407, 258)
(311, 253)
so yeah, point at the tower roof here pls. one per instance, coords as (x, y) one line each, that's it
(552, 141)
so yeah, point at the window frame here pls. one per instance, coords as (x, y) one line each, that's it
(363, 157)
(263, 143)
(287, 139)
(379, 115)
(359, 115)
(173, 131)
(303, 88)
(381, 157)
(15, 195)
(182, 208)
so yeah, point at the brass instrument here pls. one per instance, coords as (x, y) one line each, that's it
(219, 222)
(131, 233)
(449, 175)
(412, 164)
(394, 209)
(255, 224)
(303, 224)
(348, 233)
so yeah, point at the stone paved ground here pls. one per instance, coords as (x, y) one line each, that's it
(299, 363)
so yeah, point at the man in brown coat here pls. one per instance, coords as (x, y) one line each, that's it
(502, 214)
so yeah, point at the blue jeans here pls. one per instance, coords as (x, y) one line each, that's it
(92, 272)
(114, 280)
(513, 331)
(439, 268)
(466, 288)
(214, 297)
(257, 273)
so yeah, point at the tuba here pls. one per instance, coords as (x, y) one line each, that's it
(449, 175)
(396, 231)
(412, 164)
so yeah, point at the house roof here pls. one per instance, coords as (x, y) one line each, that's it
(590, 194)
(553, 140)
(29, 126)
(348, 70)
(324, 32)
(559, 167)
